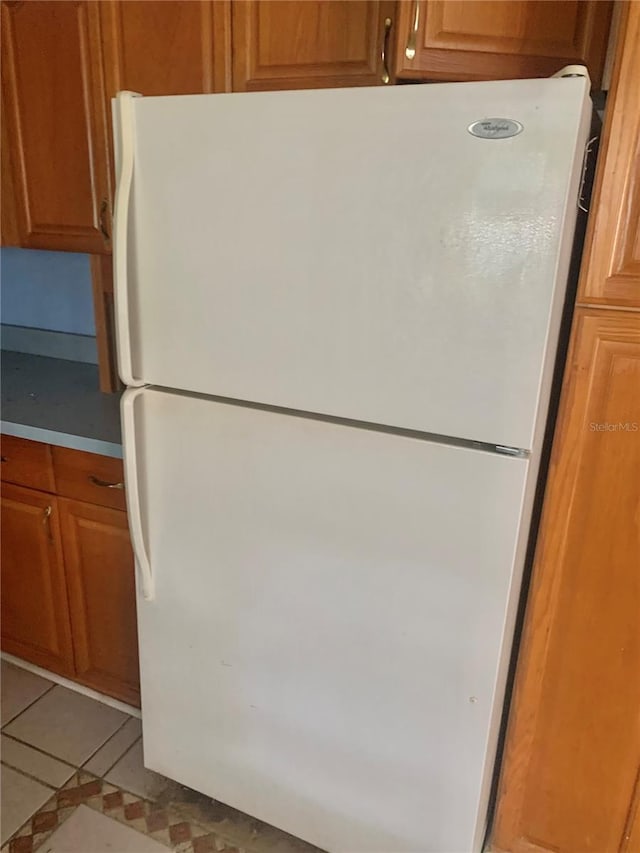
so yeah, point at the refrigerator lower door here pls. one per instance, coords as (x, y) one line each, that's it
(324, 644)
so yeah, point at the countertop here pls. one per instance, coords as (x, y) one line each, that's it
(58, 402)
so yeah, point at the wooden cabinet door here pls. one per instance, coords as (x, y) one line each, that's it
(100, 579)
(300, 44)
(612, 254)
(56, 126)
(495, 39)
(166, 47)
(35, 615)
(9, 228)
(573, 745)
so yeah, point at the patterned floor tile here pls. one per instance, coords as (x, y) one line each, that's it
(88, 831)
(20, 797)
(162, 823)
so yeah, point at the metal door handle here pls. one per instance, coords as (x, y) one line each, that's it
(410, 49)
(133, 493)
(104, 484)
(125, 128)
(385, 49)
(103, 227)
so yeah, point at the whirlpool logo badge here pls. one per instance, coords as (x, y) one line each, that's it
(495, 128)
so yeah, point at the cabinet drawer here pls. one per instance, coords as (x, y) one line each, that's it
(89, 477)
(27, 463)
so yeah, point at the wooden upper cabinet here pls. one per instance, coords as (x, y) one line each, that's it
(56, 125)
(612, 255)
(500, 39)
(298, 44)
(35, 614)
(9, 229)
(166, 47)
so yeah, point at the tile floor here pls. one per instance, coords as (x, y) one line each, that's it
(73, 776)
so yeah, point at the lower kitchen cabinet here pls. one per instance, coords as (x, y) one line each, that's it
(35, 613)
(68, 575)
(101, 588)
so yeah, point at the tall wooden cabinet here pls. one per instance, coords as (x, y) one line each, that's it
(493, 39)
(297, 44)
(570, 779)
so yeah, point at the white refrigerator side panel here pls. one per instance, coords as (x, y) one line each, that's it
(358, 253)
(323, 647)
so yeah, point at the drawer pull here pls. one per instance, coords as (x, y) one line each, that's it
(103, 483)
(4, 458)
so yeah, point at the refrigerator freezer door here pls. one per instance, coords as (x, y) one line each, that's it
(355, 252)
(325, 643)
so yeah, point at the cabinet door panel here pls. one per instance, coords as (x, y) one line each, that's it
(297, 44)
(575, 707)
(612, 255)
(492, 39)
(35, 615)
(56, 123)
(166, 47)
(100, 578)
(9, 226)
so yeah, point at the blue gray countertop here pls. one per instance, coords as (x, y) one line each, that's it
(58, 402)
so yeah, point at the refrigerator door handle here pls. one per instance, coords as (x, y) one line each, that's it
(125, 119)
(132, 491)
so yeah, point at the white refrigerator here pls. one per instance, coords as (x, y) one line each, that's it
(337, 315)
